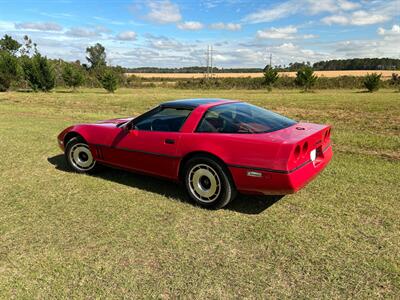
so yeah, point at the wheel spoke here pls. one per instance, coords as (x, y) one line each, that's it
(204, 183)
(81, 157)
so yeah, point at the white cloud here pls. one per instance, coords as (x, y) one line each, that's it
(163, 43)
(351, 49)
(282, 33)
(163, 12)
(277, 33)
(287, 47)
(41, 26)
(81, 32)
(4, 25)
(395, 30)
(391, 36)
(282, 10)
(331, 6)
(226, 26)
(309, 36)
(358, 18)
(102, 29)
(126, 36)
(366, 18)
(190, 25)
(292, 7)
(347, 5)
(336, 19)
(322, 6)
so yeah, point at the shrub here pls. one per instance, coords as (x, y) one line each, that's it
(395, 80)
(305, 78)
(9, 69)
(72, 76)
(372, 82)
(38, 72)
(283, 82)
(270, 77)
(5, 82)
(109, 81)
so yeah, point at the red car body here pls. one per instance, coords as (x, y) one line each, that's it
(274, 163)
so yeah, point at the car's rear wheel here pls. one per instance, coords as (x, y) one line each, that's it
(208, 182)
(79, 157)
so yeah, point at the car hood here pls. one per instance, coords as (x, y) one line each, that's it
(115, 121)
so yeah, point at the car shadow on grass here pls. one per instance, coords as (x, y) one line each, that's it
(245, 204)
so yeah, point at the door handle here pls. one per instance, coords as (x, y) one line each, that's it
(169, 141)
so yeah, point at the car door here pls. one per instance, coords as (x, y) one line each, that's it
(151, 144)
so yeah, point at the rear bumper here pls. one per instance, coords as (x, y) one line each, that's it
(270, 182)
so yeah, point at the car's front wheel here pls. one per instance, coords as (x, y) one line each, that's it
(208, 182)
(78, 156)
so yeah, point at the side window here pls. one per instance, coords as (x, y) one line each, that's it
(166, 119)
(218, 121)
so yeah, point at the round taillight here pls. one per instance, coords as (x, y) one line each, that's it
(305, 148)
(296, 152)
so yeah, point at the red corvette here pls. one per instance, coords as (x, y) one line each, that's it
(216, 147)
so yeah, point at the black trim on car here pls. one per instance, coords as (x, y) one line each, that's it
(138, 151)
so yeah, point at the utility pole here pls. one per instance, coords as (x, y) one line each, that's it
(211, 60)
(209, 53)
(270, 60)
(208, 61)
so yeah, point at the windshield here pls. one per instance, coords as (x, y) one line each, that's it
(242, 118)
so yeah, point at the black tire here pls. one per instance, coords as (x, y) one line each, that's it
(208, 182)
(79, 157)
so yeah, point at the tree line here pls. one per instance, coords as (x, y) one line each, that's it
(23, 66)
(305, 79)
(328, 65)
(192, 69)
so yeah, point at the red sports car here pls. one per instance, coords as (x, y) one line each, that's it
(216, 147)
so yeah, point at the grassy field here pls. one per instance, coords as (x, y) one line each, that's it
(386, 74)
(120, 235)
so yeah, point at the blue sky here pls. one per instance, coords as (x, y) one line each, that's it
(171, 33)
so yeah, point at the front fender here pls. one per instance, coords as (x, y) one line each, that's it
(70, 132)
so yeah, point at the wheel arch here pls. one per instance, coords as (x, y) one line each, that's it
(193, 154)
(72, 134)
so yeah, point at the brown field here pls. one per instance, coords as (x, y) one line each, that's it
(385, 74)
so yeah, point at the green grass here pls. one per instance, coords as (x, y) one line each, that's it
(120, 235)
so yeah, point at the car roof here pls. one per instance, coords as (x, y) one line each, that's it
(193, 103)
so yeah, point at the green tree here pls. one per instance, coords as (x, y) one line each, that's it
(270, 77)
(8, 44)
(96, 56)
(39, 72)
(27, 47)
(9, 70)
(305, 78)
(72, 75)
(372, 82)
(109, 81)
